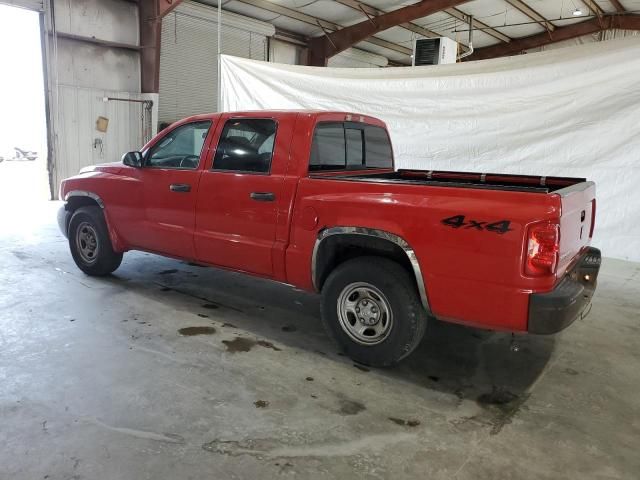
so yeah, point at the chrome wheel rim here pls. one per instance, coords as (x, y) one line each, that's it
(87, 242)
(364, 313)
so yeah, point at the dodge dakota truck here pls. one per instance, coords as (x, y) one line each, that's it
(312, 199)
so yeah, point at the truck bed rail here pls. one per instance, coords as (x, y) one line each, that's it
(487, 181)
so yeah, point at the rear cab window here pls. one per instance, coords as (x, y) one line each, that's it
(349, 146)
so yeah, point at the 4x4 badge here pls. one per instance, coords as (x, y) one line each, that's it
(458, 221)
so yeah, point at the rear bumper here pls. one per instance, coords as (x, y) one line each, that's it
(553, 311)
(63, 220)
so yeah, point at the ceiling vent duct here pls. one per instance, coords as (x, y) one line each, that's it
(434, 51)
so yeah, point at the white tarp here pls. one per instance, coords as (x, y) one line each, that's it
(568, 112)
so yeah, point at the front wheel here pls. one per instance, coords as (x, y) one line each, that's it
(90, 243)
(371, 307)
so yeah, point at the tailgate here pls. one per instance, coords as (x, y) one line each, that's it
(576, 222)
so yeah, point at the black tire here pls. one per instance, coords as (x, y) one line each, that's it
(399, 294)
(104, 260)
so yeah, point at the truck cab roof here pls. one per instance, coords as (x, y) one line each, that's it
(286, 113)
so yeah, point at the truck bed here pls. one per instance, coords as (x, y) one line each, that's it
(490, 181)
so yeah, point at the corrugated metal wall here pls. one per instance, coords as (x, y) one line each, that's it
(188, 56)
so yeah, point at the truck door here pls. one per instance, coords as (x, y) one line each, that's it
(169, 180)
(239, 195)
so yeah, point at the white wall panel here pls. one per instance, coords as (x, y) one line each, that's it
(285, 52)
(110, 20)
(290, 54)
(81, 74)
(88, 65)
(354, 58)
(28, 4)
(595, 37)
(78, 108)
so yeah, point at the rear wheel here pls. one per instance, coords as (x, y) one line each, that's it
(90, 243)
(371, 307)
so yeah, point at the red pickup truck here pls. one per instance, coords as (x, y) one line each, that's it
(312, 199)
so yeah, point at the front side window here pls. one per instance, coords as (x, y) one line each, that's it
(343, 146)
(246, 145)
(180, 148)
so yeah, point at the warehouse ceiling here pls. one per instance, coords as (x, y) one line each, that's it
(499, 25)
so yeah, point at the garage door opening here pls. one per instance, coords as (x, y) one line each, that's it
(23, 137)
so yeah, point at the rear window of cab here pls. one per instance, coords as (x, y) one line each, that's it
(349, 146)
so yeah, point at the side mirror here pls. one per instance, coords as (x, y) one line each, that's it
(132, 159)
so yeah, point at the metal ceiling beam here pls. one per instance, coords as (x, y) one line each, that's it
(618, 6)
(412, 27)
(322, 48)
(165, 6)
(594, 7)
(318, 22)
(463, 17)
(150, 13)
(518, 45)
(532, 14)
(374, 12)
(415, 28)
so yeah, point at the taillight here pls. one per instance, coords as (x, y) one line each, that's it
(542, 249)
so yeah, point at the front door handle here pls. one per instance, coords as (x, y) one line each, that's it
(180, 187)
(262, 196)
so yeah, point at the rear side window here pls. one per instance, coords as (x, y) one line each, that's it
(246, 145)
(349, 145)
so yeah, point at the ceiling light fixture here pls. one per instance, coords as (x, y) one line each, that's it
(577, 12)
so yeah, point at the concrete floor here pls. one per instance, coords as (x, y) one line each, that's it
(97, 382)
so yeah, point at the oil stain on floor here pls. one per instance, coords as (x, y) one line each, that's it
(403, 422)
(361, 367)
(498, 398)
(242, 344)
(168, 272)
(191, 331)
(350, 407)
(501, 405)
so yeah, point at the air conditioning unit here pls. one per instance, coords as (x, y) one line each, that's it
(434, 51)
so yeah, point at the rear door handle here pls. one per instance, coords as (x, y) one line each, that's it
(180, 187)
(262, 196)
